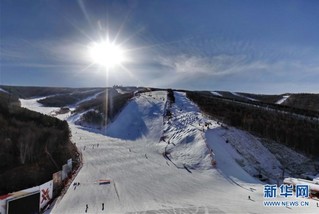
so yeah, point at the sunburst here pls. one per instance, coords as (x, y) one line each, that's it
(106, 54)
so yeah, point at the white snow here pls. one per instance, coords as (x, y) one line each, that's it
(240, 95)
(184, 140)
(143, 180)
(32, 104)
(313, 185)
(94, 96)
(142, 117)
(120, 91)
(283, 99)
(35, 106)
(247, 156)
(4, 91)
(216, 93)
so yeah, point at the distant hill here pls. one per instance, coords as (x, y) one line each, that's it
(8, 100)
(103, 108)
(250, 97)
(27, 92)
(292, 126)
(303, 101)
(69, 98)
(95, 107)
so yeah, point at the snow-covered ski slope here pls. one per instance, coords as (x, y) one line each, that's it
(283, 99)
(130, 154)
(183, 138)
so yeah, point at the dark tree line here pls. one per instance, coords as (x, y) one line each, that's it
(293, 129)
(170, 100)
(170, 96)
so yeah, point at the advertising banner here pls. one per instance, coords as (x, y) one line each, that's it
(46, 191)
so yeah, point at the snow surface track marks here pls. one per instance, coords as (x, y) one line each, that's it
(183, 137)
(141, 118)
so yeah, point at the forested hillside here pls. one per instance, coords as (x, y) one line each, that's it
(304, 101)
(30, 92)
(61, 100)
(103, 108)
(33, 146)
(297, 128)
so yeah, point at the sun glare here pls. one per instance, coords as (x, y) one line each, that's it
(106, 54)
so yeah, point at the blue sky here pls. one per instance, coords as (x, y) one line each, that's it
(250, 46)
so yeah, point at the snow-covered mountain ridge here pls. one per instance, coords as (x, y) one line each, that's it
(131, 152)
